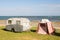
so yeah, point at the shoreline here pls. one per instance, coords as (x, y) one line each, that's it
(33, 23)
(2, 22)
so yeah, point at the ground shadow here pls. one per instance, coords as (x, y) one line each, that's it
(5, 30)
(57, 34)
(33, 30)
(9, 30)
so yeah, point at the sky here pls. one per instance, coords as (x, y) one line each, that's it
(29, 7)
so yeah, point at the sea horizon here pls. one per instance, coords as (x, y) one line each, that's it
(51, 18)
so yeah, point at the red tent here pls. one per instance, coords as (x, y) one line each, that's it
(45, 28)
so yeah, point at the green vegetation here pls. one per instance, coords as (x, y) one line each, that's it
(30, 35)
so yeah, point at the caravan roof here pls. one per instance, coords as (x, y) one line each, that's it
(21, 19)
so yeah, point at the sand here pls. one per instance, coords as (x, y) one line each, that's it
(33, 23)
(2, 22)
(56, 25)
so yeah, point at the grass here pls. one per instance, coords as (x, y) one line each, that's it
(31, 35)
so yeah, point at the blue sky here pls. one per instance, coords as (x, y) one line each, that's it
(29, 7)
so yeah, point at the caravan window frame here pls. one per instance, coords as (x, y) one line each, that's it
(9, 21)
(18, 22)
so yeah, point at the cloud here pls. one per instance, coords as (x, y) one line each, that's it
(49, 8)
(41, 9)
(17, 9)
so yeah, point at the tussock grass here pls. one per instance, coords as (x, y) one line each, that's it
(30, 35)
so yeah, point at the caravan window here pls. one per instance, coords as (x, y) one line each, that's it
(17, 22)
(9, 21)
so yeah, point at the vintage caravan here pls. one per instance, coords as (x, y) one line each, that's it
(18, 24)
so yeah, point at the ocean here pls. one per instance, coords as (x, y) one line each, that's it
(51, 18)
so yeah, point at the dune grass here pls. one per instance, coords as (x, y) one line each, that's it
(30, 35)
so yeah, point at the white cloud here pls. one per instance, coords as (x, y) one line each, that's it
(42, 9)
(48, 8)
(20, 9)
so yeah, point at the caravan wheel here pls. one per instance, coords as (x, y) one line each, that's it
(12, 30)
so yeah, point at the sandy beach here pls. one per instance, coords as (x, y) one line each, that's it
(33, 23)
(2, 22)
